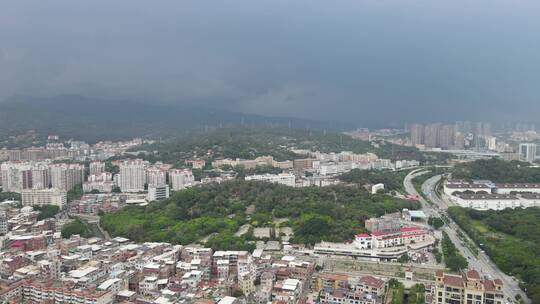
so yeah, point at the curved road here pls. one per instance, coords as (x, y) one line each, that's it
(482, 262)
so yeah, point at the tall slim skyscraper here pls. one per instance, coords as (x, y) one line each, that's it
(438, 135)
(447, 136)
(492, 143)
(12, 176)
(459, 142)
(527, 152)
(40, 176)
(417, 134)
(431, 136)
(66, 176)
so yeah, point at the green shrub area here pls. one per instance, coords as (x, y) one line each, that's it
(46, 211)
(435, 222)
(417, 294)
(334, 213)
(452, 258)
(10, 196)
(76, 227)
(396, 292)
(510, 237)
(392, 180)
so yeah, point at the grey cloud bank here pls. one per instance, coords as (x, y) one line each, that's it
(372, 61)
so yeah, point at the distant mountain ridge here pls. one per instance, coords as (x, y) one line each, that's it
(74, 116)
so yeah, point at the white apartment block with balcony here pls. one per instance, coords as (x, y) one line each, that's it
(496, 201)
(66, 176)
(404, 236)
(132, 177)
(17, 176)
(52, 196)
(148, 285)
(156, 176)
(467, 288)
(181, 178)
(510, 188)
(192, 278)
(452, 186)
(102, 182)
(48, 293)
(287, 179)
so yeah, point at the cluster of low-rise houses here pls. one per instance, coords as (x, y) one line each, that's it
(70, 151)
(37, 265)
(388, 238)
(322, 168)
(486, 195)
(79, 270)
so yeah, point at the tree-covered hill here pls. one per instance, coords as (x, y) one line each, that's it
(328, 213)
(91, 119)
(498, 171)
(249, 143)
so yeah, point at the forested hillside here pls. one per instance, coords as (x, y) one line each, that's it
(91, 119)
(329, 213)
(249, 143)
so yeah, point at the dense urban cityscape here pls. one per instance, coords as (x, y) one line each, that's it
(63, 242)
(270, 152)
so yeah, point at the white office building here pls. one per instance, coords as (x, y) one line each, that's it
(156, 193)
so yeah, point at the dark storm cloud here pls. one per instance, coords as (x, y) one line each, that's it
(360, 61)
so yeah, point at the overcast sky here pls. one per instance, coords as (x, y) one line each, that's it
(358, 60)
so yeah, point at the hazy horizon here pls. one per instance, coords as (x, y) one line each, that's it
(356, 61)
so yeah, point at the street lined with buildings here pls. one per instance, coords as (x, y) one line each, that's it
(437, 208)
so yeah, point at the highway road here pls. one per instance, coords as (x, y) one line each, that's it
(482, 263)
